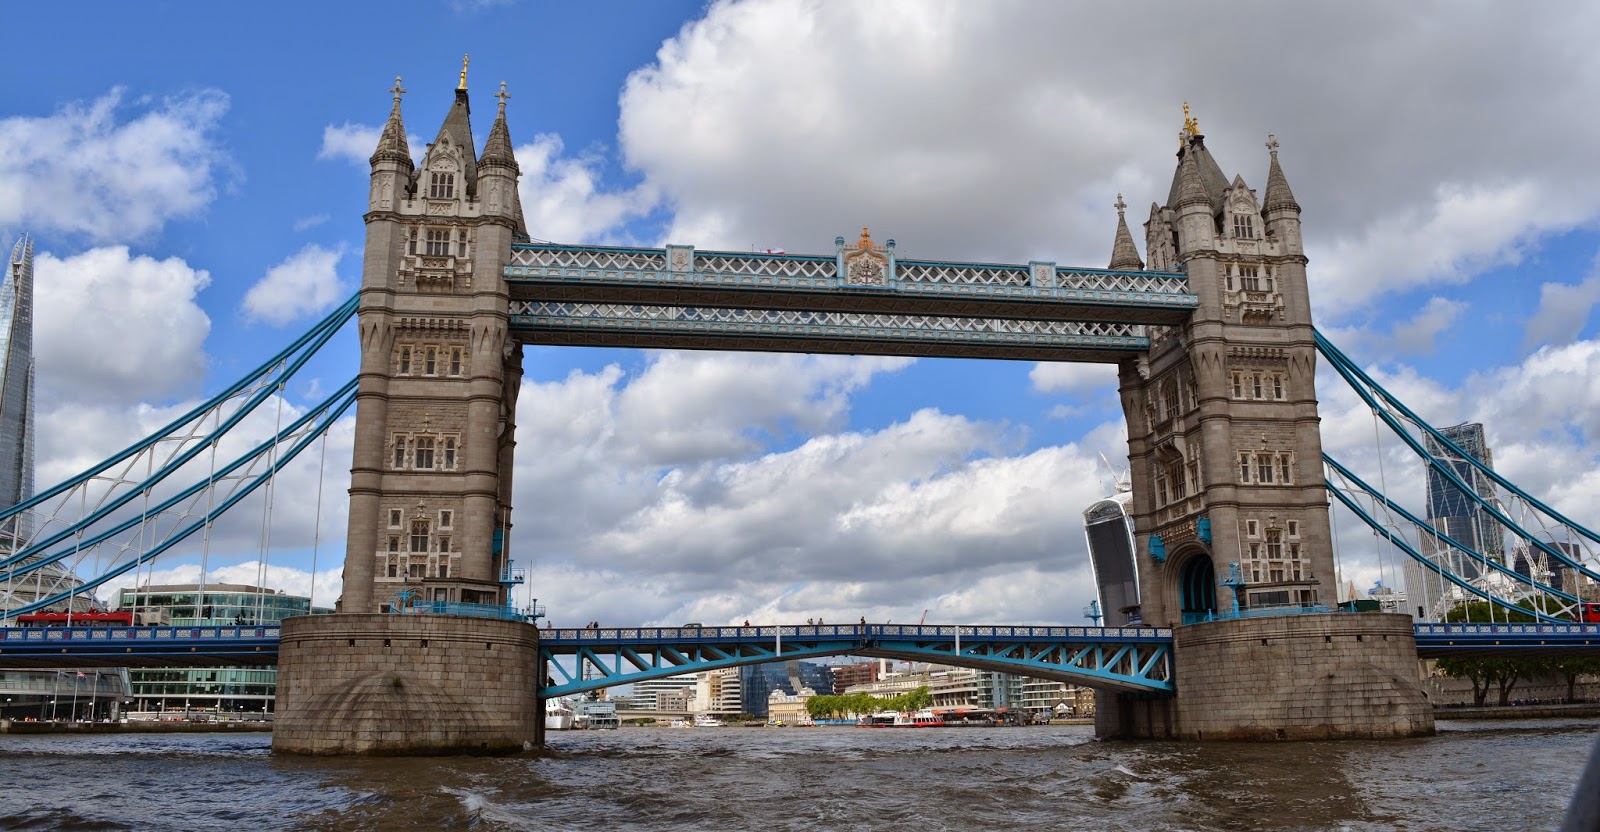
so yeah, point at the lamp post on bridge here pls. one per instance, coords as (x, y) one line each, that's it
(1092, 612)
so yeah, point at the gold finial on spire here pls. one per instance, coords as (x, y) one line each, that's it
(465, 60)
(1191, 125)
(397, 89)
(866, 239)
(502, 95)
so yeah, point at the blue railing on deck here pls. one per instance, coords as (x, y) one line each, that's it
(80, 634)
(462, 608)
(1258, 611)
(854, 632)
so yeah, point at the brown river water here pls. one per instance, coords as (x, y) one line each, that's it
(1481, 775)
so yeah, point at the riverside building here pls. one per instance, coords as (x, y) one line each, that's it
(190, 692)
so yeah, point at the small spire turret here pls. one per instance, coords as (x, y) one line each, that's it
(392, 144)
(497, 148)
(1124, 255)
(1278, 195)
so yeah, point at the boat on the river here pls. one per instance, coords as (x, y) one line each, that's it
(707, 721)
(558, 717)
(881, 719)
(924, 718)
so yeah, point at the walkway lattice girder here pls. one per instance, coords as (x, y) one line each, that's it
(1123, 659)
(686, 327)
(752, 280)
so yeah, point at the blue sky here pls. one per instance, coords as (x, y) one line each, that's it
(1450, 204)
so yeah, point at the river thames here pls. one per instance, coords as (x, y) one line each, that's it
(1480, 775)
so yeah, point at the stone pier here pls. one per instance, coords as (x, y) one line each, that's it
(1296, 677)
(382, 684)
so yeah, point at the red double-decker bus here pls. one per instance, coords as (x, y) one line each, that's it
(1589, 612)
(79, 619)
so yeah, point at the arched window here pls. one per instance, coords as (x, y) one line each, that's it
(442, 186)
(419, 535)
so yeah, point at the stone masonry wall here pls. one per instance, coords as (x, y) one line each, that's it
(373, 684)
(1298, 677)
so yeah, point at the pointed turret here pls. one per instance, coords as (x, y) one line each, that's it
(497, 149)
(1190, 190)
(392, 145)
(456, 134)
(1124, 255)
(1278, 193)
(498, 171)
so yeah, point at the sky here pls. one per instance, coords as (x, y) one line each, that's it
(194, 180)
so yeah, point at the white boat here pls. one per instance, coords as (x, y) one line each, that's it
(558, 717)
(707, 721)
(681, 723)
(924, 718)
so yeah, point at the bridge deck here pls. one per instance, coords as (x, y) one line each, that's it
(175, 646)
(679, 298)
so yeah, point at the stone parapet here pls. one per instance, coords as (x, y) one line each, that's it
(1297, 677)
(374, 684)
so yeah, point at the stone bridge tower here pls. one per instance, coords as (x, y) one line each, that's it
(430, 483)
(430, 490)
(1230, 507)
(1222, 413)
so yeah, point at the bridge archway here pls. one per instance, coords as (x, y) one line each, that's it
(1197, 587)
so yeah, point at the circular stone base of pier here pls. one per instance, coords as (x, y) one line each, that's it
(1294, 677)
(394, 685)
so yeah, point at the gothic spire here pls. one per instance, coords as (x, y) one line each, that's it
(392, 143)
(1278, 193)
(1124, 256)
(1191, 191)
(497, 149)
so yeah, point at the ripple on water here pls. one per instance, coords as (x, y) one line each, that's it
(1500, 775)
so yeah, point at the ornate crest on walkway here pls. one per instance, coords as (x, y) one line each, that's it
(866, 264)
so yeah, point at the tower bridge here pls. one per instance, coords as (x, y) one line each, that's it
(453, 287)
(1211, 332)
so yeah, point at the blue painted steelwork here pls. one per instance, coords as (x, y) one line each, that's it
(760, 273)
(1387, 531)
(83, 646)
(470, 610)
(314, 338)
(758, 324)
(312, 425)
(1084, 655)
(1441, 640)
(1381, 401)
(1125, 658)
(1158, 549)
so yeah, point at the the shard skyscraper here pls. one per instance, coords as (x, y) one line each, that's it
(16, 380)
(16, 442)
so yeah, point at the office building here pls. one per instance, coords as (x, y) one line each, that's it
(196, 692)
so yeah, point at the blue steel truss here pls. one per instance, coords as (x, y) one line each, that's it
(1558, 537)
(1124, 659)
(1436, 641)
(680, 298)
(619, 324)
(137, 646)
(1093, 655)
(794, 281)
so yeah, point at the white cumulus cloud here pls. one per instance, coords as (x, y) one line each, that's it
(112, 170)
(305, 283)
(148, 328)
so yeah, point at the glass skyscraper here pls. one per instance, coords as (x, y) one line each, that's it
(1455, 513)
(16, 380)
(1452, 510)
